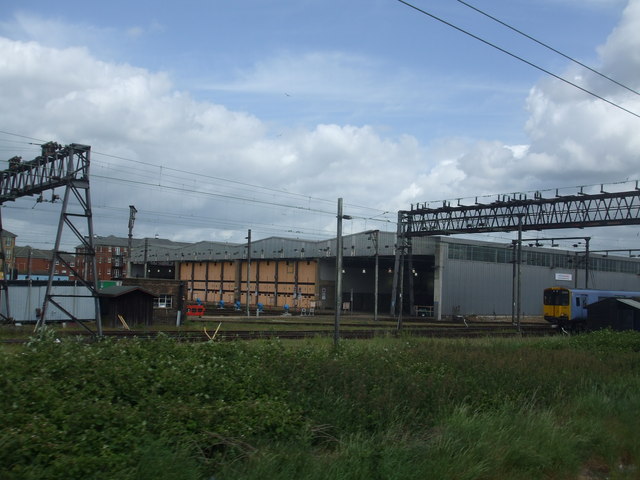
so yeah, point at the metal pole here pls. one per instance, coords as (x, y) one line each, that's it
(513, 281)
(375, 288)
(586, 263)
(4, 287)
(351, 302)
(41, 323)
(396, 265)
(401, 274)
(412, 275)
(248, 271)
(145, 259)
(30, 283)
(338, 306)
(132, 219)
(94, 260)
(519, 273)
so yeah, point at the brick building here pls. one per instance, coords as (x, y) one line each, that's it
(8, 245)
(111, 258)
(32, 262)
(168, 296)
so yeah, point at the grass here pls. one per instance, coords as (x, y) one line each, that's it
(387, 408)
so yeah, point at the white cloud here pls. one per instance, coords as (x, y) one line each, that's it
(68, 95)
(621, 52)
(53, 32)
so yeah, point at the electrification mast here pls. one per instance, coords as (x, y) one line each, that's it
(59, 167)
(132, 219)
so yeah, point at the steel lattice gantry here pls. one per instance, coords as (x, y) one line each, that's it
(58, 167)
(508, 214)
(515, 212)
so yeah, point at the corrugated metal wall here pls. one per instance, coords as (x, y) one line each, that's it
(485, 288)
(476, 287)
(24, 300)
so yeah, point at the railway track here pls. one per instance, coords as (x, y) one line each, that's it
(324, 330)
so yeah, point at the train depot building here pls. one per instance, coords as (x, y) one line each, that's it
(441, 277)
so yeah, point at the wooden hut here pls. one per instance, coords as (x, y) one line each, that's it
(133, 304)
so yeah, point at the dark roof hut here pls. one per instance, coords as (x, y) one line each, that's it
(614, 313)
(120, 306)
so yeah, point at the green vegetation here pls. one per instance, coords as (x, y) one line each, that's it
(389, 408)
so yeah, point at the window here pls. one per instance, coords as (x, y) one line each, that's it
(163, 301)
(556, 297)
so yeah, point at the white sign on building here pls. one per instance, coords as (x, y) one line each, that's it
(564, 277)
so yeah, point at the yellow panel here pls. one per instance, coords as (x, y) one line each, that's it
(307, 273)
(199, 271)
(267, 271)
(212, 296)
(229, 272)
(243, 271)
(215, 270)
(185, 271)
(267, 288)
(286, 273)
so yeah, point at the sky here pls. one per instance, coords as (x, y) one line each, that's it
(213, 118)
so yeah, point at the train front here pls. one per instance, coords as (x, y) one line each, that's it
(557, 305)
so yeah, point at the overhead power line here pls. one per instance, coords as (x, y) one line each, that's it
(517, 57)
(22, 136)
(236, 198)
(520, 32)
(212, 177)
(212, 194)
(237, 182)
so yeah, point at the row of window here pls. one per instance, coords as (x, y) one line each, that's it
(490, 254)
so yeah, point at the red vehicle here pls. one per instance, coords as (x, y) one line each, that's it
(195, 310)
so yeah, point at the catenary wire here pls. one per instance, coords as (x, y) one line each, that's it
(226, 180)
(549, 47)
(517, 57)
(236, 182)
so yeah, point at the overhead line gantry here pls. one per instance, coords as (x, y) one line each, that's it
(58, 167)
(514, 212)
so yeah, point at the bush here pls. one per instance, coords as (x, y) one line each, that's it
(386, 408)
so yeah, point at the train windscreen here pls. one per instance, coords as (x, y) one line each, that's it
(556, 297)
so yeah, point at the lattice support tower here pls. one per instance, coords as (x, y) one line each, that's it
(59, 167)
